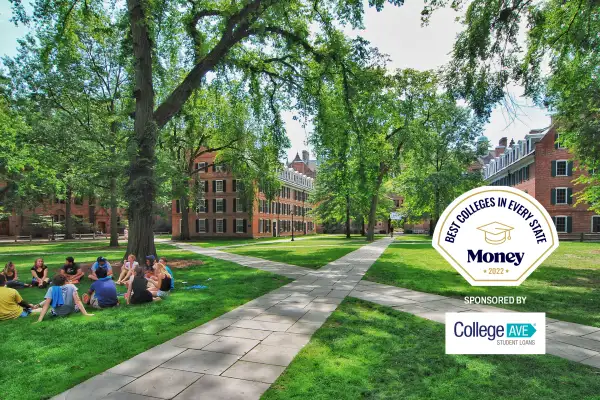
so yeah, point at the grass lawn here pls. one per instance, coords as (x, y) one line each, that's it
(412, 237)
(310, 253)
(42, 360)
(565, 286)
(366, 351)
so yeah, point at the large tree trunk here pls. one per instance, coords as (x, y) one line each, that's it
(141, 188)
(68, 227)
(362, 225)
(436, 212)
(374, 201)
(114, 216)
(348, 216)
(185, 220)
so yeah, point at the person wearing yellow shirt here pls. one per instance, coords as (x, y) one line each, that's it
(11, 303)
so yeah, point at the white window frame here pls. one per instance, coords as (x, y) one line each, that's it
(239, 207)
(260, 226)
(556, 224)
(239, 228)
(201, 167)
(217, 190)
(201, 209)
(201, 225)
(217, 202)
(566, 195)
(560, 146)
(219, 168)
(566, 167)
(219, 220)
(592, 227)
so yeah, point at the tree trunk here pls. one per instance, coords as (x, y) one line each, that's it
(68, 228)
(114, 217)
(185, 221)
(374, 201)
(141, 187)
(362, 225)
(348, 216)
(436, 212)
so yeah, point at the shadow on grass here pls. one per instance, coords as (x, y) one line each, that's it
(365, 351)
(41, 360)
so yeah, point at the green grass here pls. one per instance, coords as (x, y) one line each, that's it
(412, 237)
(310, 253)
(366, 351)
(42, 360)
(565, 286)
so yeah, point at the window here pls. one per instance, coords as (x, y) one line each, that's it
(561, 224)
(202, 206)
(596, 224)
(219, 205)
(561, 195)
(220, 226)
(177, 207)
(201, 167)
(561, 168)
(558, 142)
(200, 226)
(239, 206)
(219, 186)
(239, 226)
(220, 168)
(260, 226)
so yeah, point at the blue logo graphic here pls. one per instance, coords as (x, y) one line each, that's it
(520, 330)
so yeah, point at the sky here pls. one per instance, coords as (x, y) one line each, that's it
(397, 32)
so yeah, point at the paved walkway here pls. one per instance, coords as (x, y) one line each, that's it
(241, 353)
(575, 342)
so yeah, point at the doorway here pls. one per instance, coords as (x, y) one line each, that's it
(274, 229)
(102, 226)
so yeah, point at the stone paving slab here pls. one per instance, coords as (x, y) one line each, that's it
(146, 361)
(127, 396)
(263, 326)
(223, 388)
(254, 371)
(232, 345)
(96, 387)
(202, 362)
(286, 339)
(244, 333)
(273, 355)
(193, 340)
(163, 383)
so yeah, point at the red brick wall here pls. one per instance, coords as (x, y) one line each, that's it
(230, 215)
(545, 153)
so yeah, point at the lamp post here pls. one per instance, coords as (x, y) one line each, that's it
(292, 227)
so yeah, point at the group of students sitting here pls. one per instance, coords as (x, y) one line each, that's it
(151, 282)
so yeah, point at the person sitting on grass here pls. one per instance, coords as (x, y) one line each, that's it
(103, 292)
(12, 276)
(161, 281)
(127, 269)
(39, 274)
(62, 297)
(149, 267)
(100, 263)
(11, 303)
(137, 292)
(163, 260)
(71, 271)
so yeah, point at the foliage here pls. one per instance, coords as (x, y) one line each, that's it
(557, 66)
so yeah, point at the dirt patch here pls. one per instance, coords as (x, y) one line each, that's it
(578, 282)
(595, 251)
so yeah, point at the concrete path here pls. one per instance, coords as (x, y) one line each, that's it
(241, 353)
(575, 342)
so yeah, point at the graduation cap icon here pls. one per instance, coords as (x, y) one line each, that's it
(496, 232)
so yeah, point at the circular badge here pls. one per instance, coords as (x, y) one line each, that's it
(495, 235)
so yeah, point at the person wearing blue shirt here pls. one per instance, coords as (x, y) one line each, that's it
(101, 262)
(163, 260)
(103, 292)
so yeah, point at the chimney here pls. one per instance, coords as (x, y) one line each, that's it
(305, 156)
(503, 141)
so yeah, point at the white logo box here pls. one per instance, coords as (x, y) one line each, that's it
(512, 333)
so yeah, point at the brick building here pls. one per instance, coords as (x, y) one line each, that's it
(84, 209)
(223, 214)
(541, 166)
